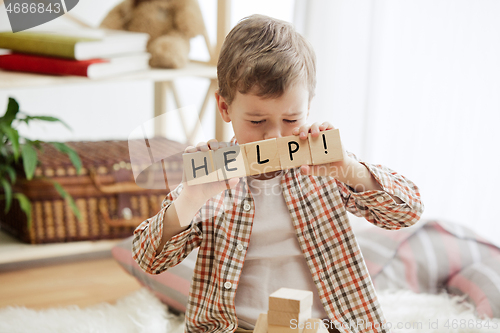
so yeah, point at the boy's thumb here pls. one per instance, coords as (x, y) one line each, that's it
(231, 183)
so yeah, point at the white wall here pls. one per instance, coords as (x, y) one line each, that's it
(436, 78)
(341, 40)
(414, 85)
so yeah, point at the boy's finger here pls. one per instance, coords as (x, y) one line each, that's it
(202, 146)
(303, 131)
(231, 183)
(190, 149)
(304, 169)
(326, 126)
(314, 130)
(213, 144)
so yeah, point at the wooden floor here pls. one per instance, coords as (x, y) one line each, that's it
(82, 283)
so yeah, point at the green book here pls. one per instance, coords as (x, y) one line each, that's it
(113, 42)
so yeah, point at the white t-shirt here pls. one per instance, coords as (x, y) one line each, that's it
(274, 258)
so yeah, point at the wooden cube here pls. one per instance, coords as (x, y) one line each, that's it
(291, 300)
(315, 325)
(326, 148)
(230, 162)
(261, 324)
(281, 318)
(262, 156)
(199, 168)
(293, 152)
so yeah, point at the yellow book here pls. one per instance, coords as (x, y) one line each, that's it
(112, 42)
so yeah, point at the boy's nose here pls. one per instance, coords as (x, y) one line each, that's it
(272, 135)
(273, 132)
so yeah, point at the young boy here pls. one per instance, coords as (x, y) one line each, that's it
(281, 229)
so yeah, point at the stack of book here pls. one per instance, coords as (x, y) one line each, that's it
(93, 53)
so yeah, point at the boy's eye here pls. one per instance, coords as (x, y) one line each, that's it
(256, 122)
(290, 121)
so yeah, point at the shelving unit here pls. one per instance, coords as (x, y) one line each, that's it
(163, 80)
(13, 252)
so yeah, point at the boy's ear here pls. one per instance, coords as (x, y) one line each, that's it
(223, 107)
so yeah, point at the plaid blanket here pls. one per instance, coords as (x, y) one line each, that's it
(435, 256)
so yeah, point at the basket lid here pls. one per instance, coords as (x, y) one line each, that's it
(105, 157)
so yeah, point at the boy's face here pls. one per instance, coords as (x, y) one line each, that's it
(255, 118)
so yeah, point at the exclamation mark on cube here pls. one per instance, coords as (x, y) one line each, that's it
(324, 143)
(326, 148)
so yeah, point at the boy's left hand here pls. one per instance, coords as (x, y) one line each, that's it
(348, 171)
(329, 169)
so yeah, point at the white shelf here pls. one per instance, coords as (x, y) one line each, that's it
(13, 251)
(10, 80)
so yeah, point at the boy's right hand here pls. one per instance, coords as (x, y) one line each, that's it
(204, 192)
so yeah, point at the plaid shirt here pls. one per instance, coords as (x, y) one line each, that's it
(318, 207)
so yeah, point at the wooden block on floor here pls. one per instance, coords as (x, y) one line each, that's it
(199, 168)
(262, 156)
(261, 324)
(281, 318)
(326, 148)
(314, 325)
(230, 162)
(291, 300)
(293, 152)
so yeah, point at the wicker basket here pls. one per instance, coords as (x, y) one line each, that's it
(109, 199)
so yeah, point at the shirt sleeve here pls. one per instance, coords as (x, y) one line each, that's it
(147, 237)
(378, 207)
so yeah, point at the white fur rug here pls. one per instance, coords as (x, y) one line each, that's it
(139, 312)
(143, 312)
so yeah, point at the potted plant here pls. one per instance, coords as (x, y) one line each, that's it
(18, 158)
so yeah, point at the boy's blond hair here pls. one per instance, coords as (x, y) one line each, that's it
(264, 56)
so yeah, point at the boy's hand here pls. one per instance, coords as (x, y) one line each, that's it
(329, 169)
(203, 192)
(349, 171)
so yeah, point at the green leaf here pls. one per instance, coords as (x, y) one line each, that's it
(27, 119)
(11, 113)
(30, 159)
(67, 197)
(36, 143)
(4, 151)
(25, 205)
(10, 170)
(73, 156)
(13, 136)
(8, 193)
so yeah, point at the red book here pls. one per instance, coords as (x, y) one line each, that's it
(93, 68)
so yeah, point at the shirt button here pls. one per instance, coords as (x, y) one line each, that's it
(228, 285)
(246, 207)
(380, 199)
(239, 247)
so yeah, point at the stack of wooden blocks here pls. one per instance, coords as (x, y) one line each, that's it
(290, 311)
(261, 157)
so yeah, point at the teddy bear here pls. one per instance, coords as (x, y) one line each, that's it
(170, 24)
